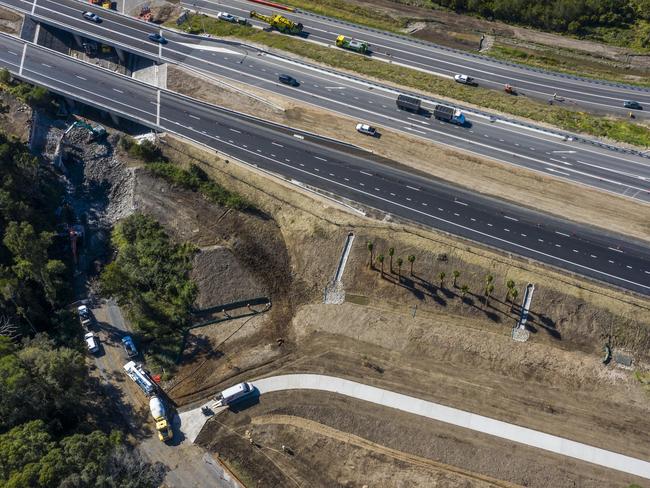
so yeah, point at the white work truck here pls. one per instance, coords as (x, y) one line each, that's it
(234, 393)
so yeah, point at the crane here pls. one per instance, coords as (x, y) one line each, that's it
(278, 22)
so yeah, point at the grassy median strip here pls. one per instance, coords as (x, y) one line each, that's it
(520, 106)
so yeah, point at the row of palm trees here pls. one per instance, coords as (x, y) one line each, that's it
(511, 294)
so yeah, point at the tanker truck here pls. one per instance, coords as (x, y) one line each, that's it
(159, 414)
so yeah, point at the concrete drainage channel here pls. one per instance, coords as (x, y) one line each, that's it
(334, 292)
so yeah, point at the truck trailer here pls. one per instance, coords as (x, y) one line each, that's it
(140, 377)
(234, 393)
(411, 104)
(449, 114)
(159, 414)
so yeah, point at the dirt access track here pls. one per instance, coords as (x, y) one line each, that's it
(415, 335)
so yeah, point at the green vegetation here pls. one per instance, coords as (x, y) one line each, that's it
(615, 129)
(150, 278)
(194, 179)
(621, 22)
(52, 428)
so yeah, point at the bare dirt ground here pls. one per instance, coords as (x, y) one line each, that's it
(10, 21)
(15, 116)
(453, 351)
(407, 451)
(489, 177)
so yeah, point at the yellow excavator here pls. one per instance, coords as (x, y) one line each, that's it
(278, 22)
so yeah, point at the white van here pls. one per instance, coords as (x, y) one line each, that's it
(234, 393)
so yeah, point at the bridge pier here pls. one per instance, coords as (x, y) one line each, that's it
(120, 54)
(115, 119)
(78, 40)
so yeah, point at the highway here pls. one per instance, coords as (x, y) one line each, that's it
(544, 151)
(333, 171)
(594, 95)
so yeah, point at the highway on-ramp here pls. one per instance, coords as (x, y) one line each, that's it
(333, 170)
(194, 419)
(534, 148)
(588, 94)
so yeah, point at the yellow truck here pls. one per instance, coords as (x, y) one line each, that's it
(277, 21)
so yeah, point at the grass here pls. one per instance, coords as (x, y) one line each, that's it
(551, 61)
(616, 129)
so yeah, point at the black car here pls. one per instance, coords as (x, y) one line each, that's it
(288, 80)
(632, 104)
(155, 37)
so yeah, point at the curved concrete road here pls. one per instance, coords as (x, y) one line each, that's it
(435, 411)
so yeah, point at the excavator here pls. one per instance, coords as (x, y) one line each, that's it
(278, 22)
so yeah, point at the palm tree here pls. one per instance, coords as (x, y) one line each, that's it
(513, 294)
(489, 288)
(380, 259)
(391, 251)
(411, 259)
(370, 248)
(463, 290)
(441, 277)
(510, 284)
(456, 274)
(400, 261)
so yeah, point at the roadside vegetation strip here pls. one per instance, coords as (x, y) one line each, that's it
(616, 129)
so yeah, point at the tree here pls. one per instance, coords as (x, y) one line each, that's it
(441, 278)
(380, 260)
(5, 75)
(370, 249)
(489, 288)
(463, 290)
(489, 279)
(510, 284)
(400, 261)
(391, 252)
(514, 295)
(411, 259)
(455, 274)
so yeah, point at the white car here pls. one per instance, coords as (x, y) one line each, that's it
(92, 342)
(91, 16)
(226, 16)
(366, 129)
(464, 79)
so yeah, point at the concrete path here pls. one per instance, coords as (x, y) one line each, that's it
(192, 421)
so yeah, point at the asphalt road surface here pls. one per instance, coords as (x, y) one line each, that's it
(533, 148)
(384, 187)
(593, 95)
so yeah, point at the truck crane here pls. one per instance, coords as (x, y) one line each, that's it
(278, 22)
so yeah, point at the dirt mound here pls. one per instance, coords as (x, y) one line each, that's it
(221, 279)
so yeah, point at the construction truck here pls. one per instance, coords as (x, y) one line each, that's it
(449, 114)
(159, 414)
(361, 47)
(278, 22)
(141, 378)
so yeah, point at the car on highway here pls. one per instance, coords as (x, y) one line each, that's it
(367, 129)
(91, 16)
(226, 16)
(632, 104)
(288, 80)
(465, 80)
(155, 37)
(129, 346)
(92, 342)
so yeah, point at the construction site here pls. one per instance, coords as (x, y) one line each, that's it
(293, 284)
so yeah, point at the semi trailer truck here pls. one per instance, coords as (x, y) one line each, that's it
(449, 114)
(410, 104)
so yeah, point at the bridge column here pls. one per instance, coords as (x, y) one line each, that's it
(115, 119)
(77, 39)
(120, 54)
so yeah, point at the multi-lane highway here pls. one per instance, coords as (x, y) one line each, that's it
(429, 202)
(586, 93)
(540, 150)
